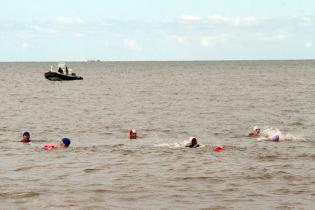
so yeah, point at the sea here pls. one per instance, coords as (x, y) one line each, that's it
(218, 102)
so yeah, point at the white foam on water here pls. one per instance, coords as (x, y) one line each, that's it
(173, 145)
(176, 144)
(268, 132)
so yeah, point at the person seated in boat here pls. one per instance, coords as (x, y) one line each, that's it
(64, 143)
(60, 70)
(255, 132)
(192, 143)
(26, 137)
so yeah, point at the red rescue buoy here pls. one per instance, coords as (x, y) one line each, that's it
(218, 148)
(49, 147)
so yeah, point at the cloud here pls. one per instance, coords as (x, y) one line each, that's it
(79, 34)
(189, 18)
(309, 44)
(177, 39)
(236, 21)
(212, 41)
(41, 29)
(274, 38)
(25, 45)
(132, 45)
(306, 21)
(63, 20)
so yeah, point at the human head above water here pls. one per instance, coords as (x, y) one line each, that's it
(257, 129)
(193, 140)
(275, 137)
(65, 142)
(132, 134)
(26, 136)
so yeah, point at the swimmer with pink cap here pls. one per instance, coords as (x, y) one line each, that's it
(275, 137)
(255, 132)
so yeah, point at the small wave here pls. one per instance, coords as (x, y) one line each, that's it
(24, 168)
(19, 195)
(91, 170)
(203, 178)
(297, 123)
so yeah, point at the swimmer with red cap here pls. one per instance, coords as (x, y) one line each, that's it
(26, 137)
(255, 132)
(64, 143)
(133, 134)
(192, 143)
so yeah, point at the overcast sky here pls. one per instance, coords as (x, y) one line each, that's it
(42, 30)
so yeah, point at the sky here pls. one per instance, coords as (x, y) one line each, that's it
(145, 30)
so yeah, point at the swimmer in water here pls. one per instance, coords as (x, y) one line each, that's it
(275, 137)
(132, 134)
(192, 143)
(255, 132)
(64, 143)
(26, 137)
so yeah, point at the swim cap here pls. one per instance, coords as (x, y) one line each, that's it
(26, 133)
(192, 138)
(256, 128)
(66, 141)
(132, 134)
(275, 137)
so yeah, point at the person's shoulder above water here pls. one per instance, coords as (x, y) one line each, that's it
(26, 137)
(63, 143)
(192, 143)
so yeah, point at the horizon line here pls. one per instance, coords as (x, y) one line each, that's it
(103, 61)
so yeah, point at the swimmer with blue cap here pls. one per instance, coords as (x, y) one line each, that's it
(26, 137)
(64, 143)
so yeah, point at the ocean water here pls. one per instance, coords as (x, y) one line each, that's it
(167, 102)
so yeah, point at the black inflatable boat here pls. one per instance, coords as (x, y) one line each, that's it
(63, 73)
(55, 76)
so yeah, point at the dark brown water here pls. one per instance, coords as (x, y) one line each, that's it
(167, 102)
